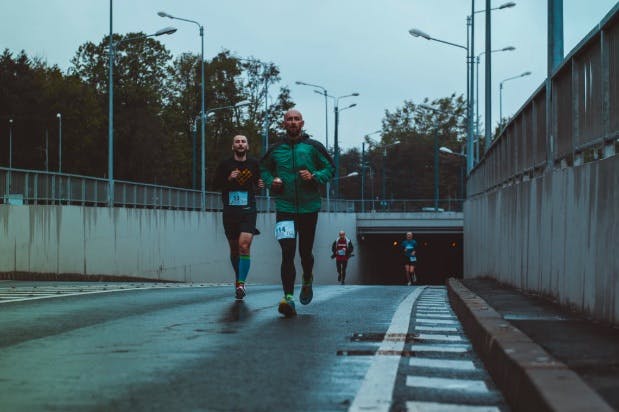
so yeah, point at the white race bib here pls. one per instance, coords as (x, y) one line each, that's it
(237, 198)
(341, 252)
(413, 259)
(284, 230)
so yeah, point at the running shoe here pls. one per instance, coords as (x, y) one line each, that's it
(240, 292)
(306, 295)
(286, 307)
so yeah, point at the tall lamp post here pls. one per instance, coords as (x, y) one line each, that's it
(384, 166)
(59, 116)
(450, 152)
(351, 174)
(469, 131)
(363, 167)
(336, 147)
(201, 27)
(112, 46)
(203, 153)
(325, 94)
(10, 153)
(476, 139)
(501, 92)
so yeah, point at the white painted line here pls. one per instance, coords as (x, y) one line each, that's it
(447, 407)
(377, 386)
(446, 338)
(435, 315)
(446, 384)
(436, 328)
(461, 365)
(436, 321)
(428, 347)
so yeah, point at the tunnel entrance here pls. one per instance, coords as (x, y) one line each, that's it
(381, 263)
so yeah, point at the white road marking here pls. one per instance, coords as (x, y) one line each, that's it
(447, 407)
(427, 347)
(446, 384)
(461, 365)
(377, 386)
(441, 321)
(436, 328)
(435, 315)
(432, 336)
(21, 293)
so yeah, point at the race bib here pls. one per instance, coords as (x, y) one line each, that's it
(341, 252)
(237, 198)
(284, 230)
(413, 259)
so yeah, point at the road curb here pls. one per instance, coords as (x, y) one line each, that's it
(529, 377)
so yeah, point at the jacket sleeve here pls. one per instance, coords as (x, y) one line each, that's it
(350, 248)
(325, 168)
(333, 247)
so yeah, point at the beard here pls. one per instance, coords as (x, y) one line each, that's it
(240, 153)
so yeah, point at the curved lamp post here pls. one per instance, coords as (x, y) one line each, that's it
(201, 27)
(476, 116)
(527, 73)
(469, 132)
(112, 46)
(59, 116)
(325, 94)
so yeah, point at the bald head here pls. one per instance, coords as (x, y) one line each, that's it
(293, 123)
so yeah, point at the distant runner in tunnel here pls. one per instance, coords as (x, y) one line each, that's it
(342, 249)
(410, 259)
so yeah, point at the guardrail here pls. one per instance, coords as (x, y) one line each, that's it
(584, 116)
(20, 186)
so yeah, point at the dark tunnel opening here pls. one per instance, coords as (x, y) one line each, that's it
(439, 257)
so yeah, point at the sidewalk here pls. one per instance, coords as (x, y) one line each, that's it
(541, 357)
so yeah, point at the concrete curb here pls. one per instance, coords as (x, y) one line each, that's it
(529, 377)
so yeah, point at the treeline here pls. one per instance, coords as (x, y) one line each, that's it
(156, 120)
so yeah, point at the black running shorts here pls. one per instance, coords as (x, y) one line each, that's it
(236, 223)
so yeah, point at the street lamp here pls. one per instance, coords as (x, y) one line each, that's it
(10, 143)
(203, 152)
(501, 92)
(351, 174)
(508, 48)
(469, 132)
(325, 94)
(110, 144)
(384, 166)
(59, 116)
(363, 167)
(336, 147)
(450, 152)
(202, 120)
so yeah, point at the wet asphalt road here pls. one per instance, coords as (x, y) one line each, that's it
(195, 348)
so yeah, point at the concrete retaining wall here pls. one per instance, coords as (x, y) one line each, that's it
(158, 244)
(556, 235)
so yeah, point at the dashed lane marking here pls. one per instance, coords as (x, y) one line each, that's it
(22, 293)
(447, 407)
(447, 384)
(462, 365)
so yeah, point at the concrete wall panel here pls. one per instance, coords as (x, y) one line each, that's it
(555, 235)
(155, 244)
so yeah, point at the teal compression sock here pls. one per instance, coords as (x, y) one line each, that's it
(244, 262)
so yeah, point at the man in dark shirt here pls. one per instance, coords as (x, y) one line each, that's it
(237, 178)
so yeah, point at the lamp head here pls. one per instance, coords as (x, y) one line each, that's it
(58, 115)
(507, 5)
(163, 14)
(525, 74)
(508, 48)
(165, 30)
(419, 33)
(355, 94)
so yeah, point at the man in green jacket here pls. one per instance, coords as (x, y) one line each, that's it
(294, 169)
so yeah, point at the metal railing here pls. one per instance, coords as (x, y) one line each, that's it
(584, 116)
(20, 186)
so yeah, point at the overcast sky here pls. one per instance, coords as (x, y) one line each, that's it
(345, 46)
